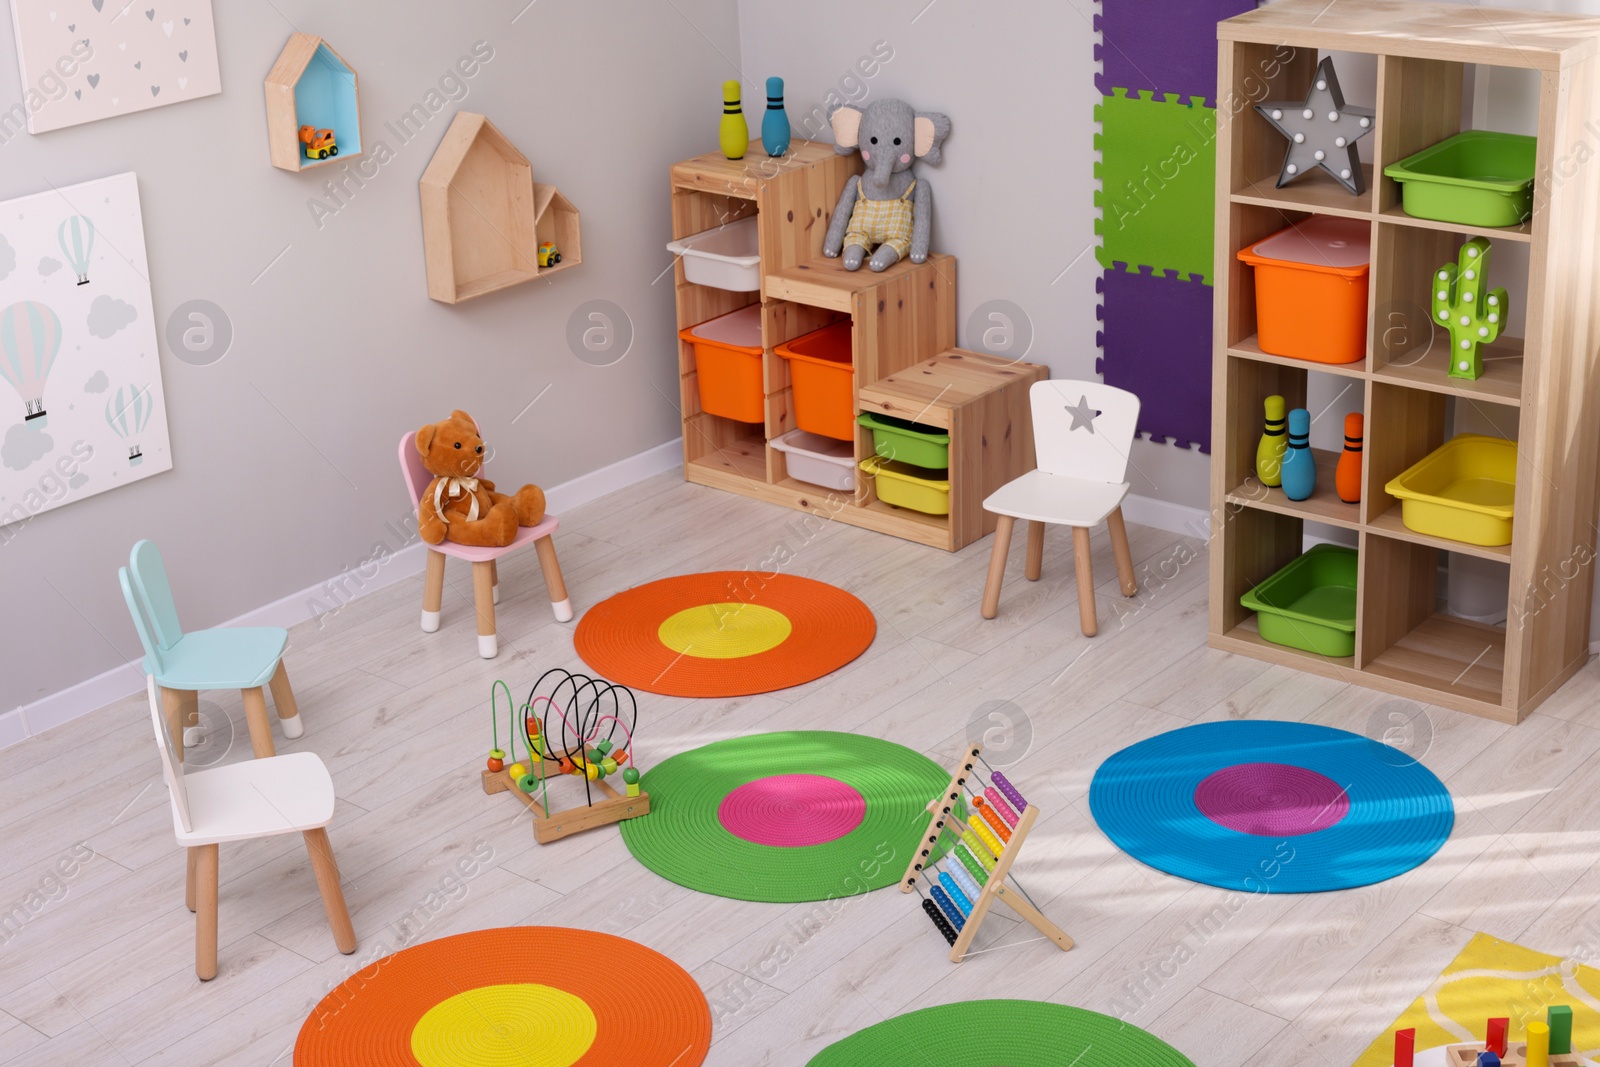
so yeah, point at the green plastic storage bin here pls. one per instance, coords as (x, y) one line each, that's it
(1476, 178)
(1311, 603)
(908, 442)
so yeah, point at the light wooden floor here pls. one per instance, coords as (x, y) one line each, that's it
(102, 970)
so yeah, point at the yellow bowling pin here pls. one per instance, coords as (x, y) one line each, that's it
(735, 132)
(1274, 442)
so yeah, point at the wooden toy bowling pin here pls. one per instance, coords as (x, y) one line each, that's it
(1269, 453)
(1347, 476)
(1299, 469)
(1538, 1045)
(775, 123)
(1405, 1047)
(735, 133)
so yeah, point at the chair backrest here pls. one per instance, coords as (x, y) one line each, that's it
(1083, 429)
(150, 579)
(153, 664)
(171, 768)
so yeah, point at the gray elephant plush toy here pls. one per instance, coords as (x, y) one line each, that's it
(887, 211)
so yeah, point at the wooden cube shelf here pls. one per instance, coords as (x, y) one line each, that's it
(484, 217)
(311, 85)
(1540, 388)
(902, 338)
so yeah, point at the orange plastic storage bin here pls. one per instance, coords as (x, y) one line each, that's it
(823, 375)
(727, 360)
(1311, 289)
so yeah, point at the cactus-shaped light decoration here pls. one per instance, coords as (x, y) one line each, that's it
(1464, 305)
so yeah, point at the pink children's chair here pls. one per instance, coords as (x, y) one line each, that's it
(485, 574)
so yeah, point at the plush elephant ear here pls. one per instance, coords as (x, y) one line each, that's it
(425, 438)
(846, 122)
(931, 128)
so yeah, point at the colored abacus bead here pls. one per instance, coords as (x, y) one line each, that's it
(517, 771)
(1000, 805)
(528, 783)
(939, 920)
(1010, 791)
(497, 759)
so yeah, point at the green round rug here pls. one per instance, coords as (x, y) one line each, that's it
(786, 817)
(1017, 1033)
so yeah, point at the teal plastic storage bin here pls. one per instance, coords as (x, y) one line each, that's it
(1311, 603)
(908, 442)
(1476, 178)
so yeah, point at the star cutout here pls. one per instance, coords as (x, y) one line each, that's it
(1082, 415)
(1322, 132)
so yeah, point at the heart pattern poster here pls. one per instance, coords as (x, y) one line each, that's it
(83, 60)
(82, 408)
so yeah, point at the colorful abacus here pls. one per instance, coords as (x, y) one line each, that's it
(977, 865)
(577, 735)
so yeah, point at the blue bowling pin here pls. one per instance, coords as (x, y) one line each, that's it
(775, 123)
(1299, 469)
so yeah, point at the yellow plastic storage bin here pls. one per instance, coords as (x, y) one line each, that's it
(1464, 490)
(913, 488)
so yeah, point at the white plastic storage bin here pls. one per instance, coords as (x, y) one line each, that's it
(724, 258)
(819, 460)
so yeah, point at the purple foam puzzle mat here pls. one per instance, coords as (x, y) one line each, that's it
(1166, 46)
(1155, 338)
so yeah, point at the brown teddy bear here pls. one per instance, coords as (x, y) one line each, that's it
(458, 505)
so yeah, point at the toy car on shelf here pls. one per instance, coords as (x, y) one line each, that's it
(549, 255)
(319, 144)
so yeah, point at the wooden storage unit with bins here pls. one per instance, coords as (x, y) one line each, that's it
(899, 318)
(1540, 389)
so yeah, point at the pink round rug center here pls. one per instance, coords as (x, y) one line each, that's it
(1271, 799)
(792, 810)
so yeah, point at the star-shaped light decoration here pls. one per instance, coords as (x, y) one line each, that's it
(1082, 415)
(1322, 132)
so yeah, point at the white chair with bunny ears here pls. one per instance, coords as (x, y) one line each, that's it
(1082, 432)
(261, 797)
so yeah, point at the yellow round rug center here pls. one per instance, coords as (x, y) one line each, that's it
(513, 1025)
(725, 630)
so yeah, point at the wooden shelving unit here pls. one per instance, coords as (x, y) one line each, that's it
(311, 85)
(1548, 378)
(902, 336)
(483, 215)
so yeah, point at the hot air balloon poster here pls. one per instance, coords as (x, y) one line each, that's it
(81, 403)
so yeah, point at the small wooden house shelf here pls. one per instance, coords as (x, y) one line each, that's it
(311, 85)
(483, 215)
(902, 342)
(1544, 387)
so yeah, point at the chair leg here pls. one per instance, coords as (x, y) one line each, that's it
(205, 915)
(432, 592)
(483, 601)
(553, 581)
(283, 700)
(322, 862)
(1080, 555)
(182, 710)
(255, 715)
(192, 861)
(1035, 550)
(494, 572)
(997, 566)
(1119, 547)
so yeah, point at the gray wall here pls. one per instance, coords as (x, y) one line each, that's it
(284, 451)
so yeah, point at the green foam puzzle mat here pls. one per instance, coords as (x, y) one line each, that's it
(1157, 183)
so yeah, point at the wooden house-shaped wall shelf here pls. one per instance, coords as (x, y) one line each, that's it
(311, 85)
(484, 217)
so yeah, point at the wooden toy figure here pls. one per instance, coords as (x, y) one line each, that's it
(775, 123)
(735, 133)
(1269, 453)
(1347, 476)
(1538, 1045)
(1299, 469)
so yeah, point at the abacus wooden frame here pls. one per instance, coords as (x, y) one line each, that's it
(995, 888)
(574, 820)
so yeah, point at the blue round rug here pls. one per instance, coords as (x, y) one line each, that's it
(1271, 807)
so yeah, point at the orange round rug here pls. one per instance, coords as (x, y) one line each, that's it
(724, 634)
(529, 996)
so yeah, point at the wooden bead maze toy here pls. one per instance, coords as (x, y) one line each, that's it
(576, 736)
(977, 867)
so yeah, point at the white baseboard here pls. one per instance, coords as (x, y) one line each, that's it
(1164, 515)
(90, 695)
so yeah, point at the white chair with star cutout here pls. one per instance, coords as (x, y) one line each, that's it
(1082, 432)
